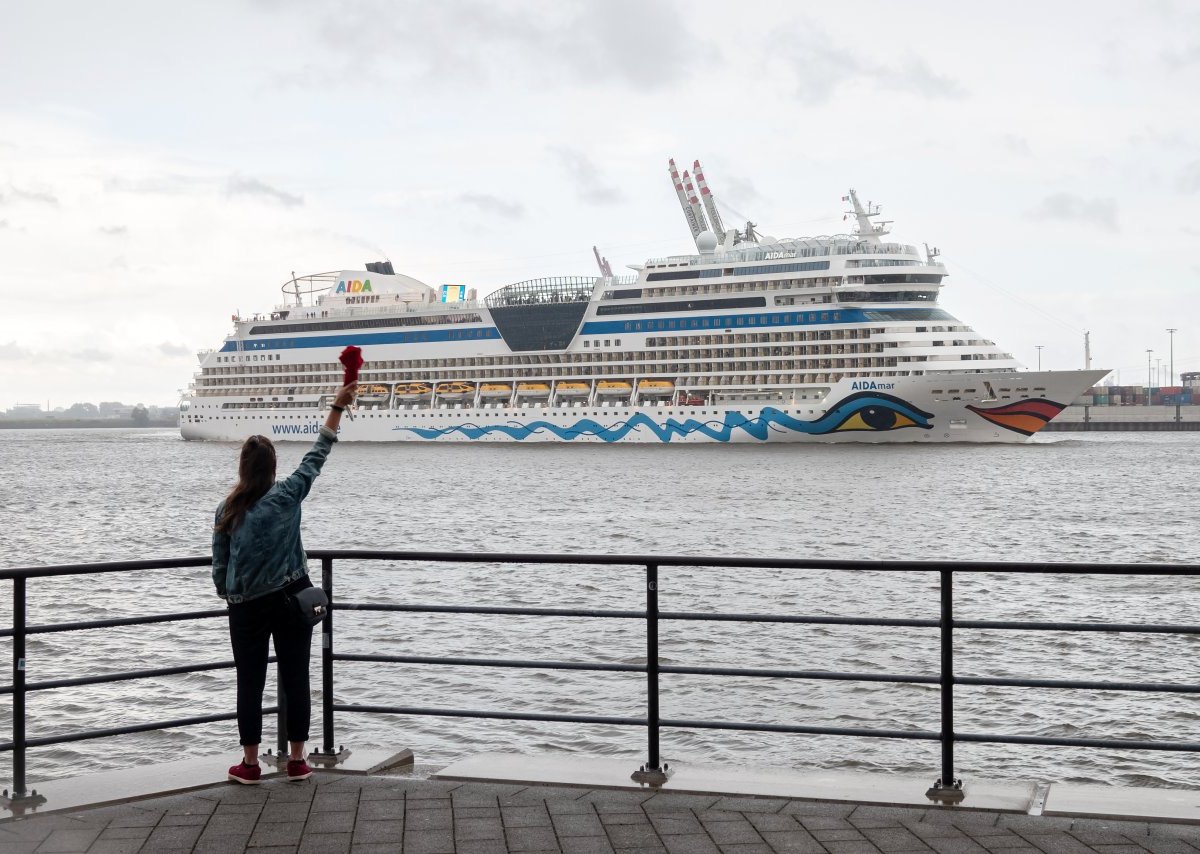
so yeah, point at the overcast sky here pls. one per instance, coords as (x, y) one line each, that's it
(163, 165)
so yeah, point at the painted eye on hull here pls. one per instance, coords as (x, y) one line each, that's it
(876, 413)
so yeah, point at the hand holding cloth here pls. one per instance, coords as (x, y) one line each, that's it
(352, 359)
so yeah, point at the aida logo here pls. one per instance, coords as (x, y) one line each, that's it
(354, 287)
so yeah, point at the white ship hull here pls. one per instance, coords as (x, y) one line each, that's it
(905, 409)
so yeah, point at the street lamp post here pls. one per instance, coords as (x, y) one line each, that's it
(1039, 349)
(1172, 332)
(1149, 377)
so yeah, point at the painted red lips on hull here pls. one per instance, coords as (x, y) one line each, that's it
(1024, 416)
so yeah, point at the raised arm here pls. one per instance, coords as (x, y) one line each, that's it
(300, 481)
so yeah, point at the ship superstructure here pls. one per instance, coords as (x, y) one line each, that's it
(752, 338)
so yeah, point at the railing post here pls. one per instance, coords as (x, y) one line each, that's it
(654, 772)
(19, 797)
(327, 756)
(947, 789)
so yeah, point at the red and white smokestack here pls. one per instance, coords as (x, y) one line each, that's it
(710, 203)
(694, 202)
(683, 202)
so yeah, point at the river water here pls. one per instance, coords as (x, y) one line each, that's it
(80, 495)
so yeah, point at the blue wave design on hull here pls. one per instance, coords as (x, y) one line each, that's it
(839, 419)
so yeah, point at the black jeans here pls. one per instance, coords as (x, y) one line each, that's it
(251, 624)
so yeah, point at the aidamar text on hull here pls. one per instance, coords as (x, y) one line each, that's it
(751, 339)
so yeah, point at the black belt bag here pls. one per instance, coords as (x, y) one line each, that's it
(309, 605)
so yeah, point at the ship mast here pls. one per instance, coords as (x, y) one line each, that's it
(868, 231)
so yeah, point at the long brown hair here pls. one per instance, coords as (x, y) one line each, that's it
(256, 475)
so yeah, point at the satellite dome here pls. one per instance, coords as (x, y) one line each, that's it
(706, 241)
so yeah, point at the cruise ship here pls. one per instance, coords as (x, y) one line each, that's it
(836, 338)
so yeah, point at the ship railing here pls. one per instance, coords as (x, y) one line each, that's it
(657, 620)
(803, 247)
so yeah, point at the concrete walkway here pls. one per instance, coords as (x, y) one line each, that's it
(335, 813)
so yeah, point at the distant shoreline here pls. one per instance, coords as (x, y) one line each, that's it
(68, 423)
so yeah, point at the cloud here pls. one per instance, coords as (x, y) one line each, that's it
(242, 186)
(820, 67)
(587, 179)
(917, 77)
(13, 351)
(626, 42)
(169, 349)
(1180, 60)
(1068, 207)
(114, 230)
(1188, 180)
(13, 193)
(167, 185)
(92, 354)
(490, 204)
(1016, 144)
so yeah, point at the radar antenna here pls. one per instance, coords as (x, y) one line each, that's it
(930, 254)
(867, 231)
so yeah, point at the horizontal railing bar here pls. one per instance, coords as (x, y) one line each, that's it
(815, 621)
(126, 676)
(960, 567)
(634, 668)
(919, 735)
(1041, 626)
(489, 662)
(1079, 684)
(779, 618)
(489, 609)
(640, 615)
(502, 716)
(1119, 744)
(766, 563)
(828, 675)
(127, 730)
(104, 566)
(47, 628)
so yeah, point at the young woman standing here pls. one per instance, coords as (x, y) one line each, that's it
(257, 560)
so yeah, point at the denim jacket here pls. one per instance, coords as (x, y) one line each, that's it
(264, 553)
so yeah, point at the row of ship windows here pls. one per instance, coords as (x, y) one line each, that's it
(579, 358)
(684, 354)
(840, 366)
(682, 380)
(741, 287)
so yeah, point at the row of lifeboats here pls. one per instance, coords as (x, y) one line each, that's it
(414, 392)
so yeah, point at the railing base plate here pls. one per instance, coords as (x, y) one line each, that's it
(329, 760)
(952, 794)
(20, 803)
(649, 776)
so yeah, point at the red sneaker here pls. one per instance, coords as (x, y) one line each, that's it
(297, 769)
(250, 775)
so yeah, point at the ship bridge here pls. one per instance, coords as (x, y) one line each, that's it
(541, 314)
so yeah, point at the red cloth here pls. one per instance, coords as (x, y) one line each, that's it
(352, 358)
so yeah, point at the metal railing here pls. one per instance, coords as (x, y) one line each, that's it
(946, 788)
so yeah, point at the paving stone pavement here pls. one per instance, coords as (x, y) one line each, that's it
(365, 815)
